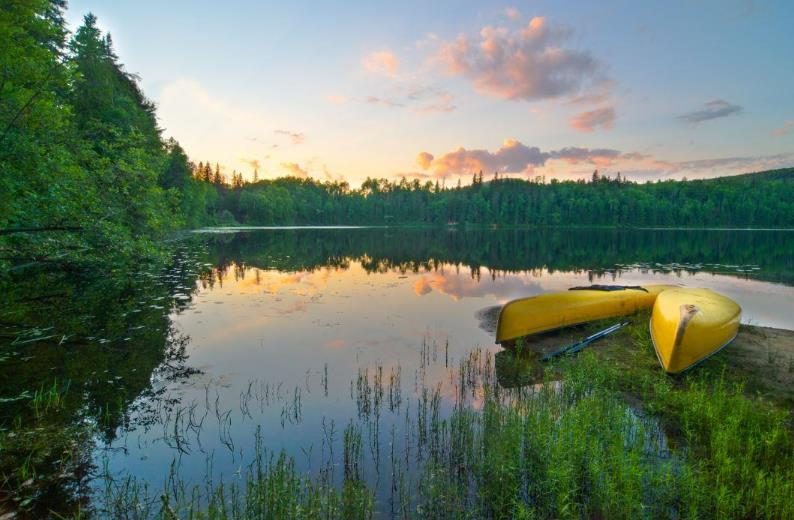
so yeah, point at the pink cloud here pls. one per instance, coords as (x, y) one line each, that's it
(381, 62)
(516, 157)
(527, 64)
(513, 13)
(589, 120)
(512, 156)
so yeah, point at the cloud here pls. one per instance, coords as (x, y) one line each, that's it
(419, 98)
(739, 163)
(711, 110)
(600, 93)
(513, 13)
(374, 100)
(253, 163)
(441, 103)
(588, 120)
(336, 99)
(787, 128)
(515, 157)
(597, 156)
(424, 160)
(295, 137)
(459, 286)
(512, 156)
(381, 62)
(294, 170)
(527, 64)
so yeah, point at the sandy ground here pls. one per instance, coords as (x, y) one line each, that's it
(765, 355)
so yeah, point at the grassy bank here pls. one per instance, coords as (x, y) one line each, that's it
(606, 435)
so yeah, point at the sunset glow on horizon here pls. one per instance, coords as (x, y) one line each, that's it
(442, 91)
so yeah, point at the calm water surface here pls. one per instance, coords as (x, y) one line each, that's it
(289, 333)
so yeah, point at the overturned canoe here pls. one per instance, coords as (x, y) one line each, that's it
(578, 305)
(689, 325)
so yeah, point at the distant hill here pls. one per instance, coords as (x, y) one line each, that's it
(781, 174)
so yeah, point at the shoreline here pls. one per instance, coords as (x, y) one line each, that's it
(764, 356)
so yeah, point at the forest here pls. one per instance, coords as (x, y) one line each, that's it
(87, 172)
(754, 200)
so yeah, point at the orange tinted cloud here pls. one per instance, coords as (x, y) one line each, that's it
(591, 119)
(512, 156)
(294, 169)
(516, 157)
(424, 160)
(381, 62)
(422, 286)
(462, 285)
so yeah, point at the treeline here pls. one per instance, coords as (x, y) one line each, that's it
(756, 200)
(85, 169)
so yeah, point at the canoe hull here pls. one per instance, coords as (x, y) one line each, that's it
(552, 311)
(690, 325)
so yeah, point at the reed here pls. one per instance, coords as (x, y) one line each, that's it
(568, 448)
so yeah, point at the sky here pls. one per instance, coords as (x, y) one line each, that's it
(441, 90)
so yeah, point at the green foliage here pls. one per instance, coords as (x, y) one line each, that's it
(85, 172)
(757, 200)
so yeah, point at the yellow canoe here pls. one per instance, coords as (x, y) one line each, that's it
(689, 325)
(579, 305)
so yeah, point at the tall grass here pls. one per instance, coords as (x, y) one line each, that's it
(698, 447)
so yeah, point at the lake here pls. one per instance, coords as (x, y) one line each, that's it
(309, 341)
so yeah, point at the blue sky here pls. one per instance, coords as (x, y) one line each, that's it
(437, 90)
